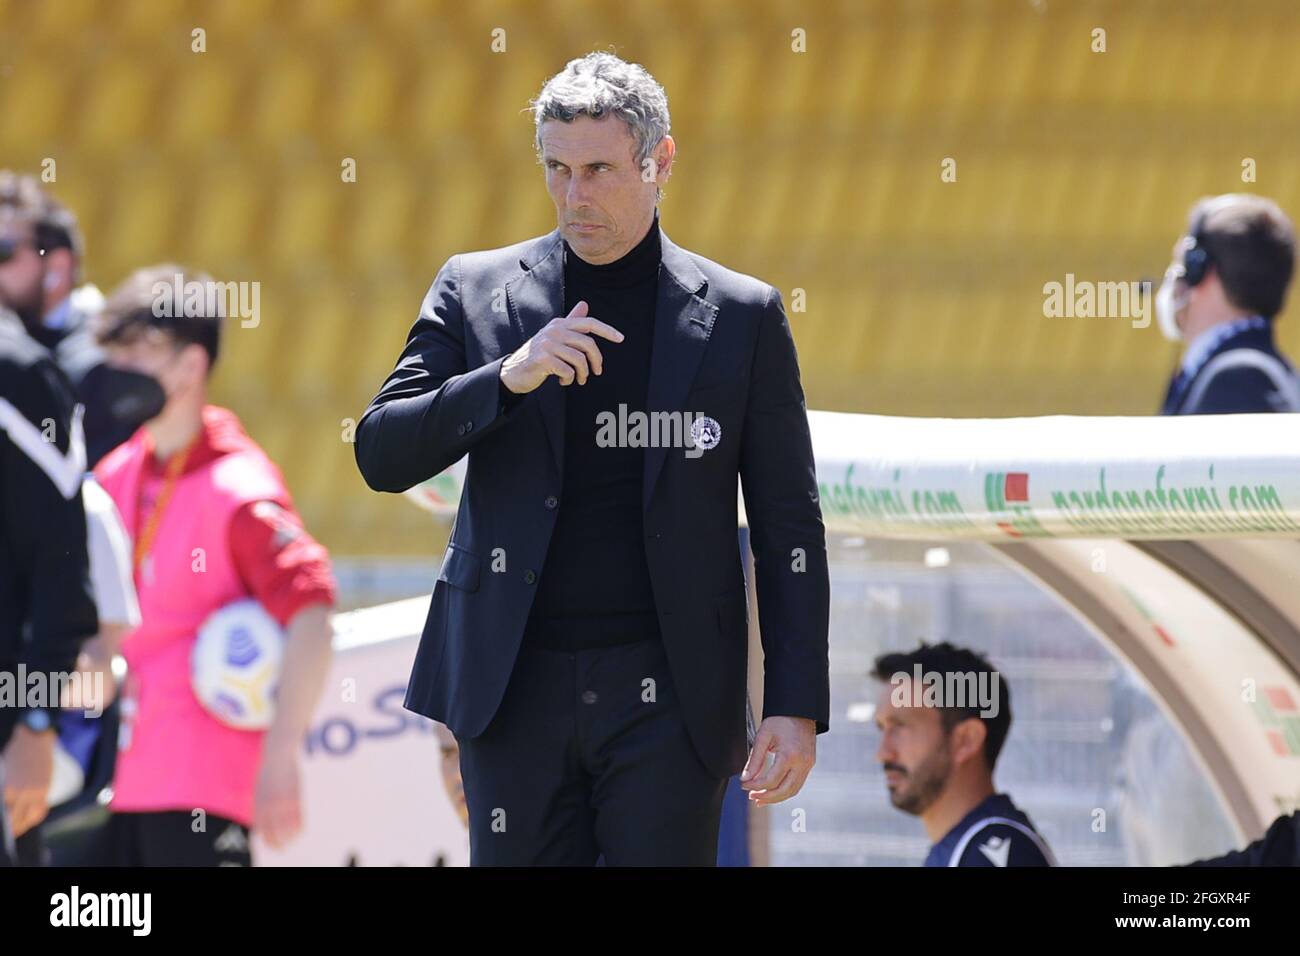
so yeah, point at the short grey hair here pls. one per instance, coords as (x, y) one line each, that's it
(602, 84)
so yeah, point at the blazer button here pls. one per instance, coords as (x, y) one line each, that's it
(469, 426)
(460, 429)
(530, 577)
(552, 501)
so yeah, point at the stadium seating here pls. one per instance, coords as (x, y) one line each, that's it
(817, 171)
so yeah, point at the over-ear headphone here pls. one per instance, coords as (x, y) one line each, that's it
(1196, 258)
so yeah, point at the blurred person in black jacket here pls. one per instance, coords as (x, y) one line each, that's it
(46, 605)
(41, 254)
(1228, 281)
(41, 250)
(1220, 297)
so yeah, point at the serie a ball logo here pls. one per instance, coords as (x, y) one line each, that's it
(235, 665)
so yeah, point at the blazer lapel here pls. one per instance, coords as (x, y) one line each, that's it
(535, 297)
(683, 321)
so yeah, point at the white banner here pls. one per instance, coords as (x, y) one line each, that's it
(372, 787)
(1207, 476)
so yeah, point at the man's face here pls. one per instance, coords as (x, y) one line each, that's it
(603, 205)
(1174, 274)
(913, 750)
(22, 273)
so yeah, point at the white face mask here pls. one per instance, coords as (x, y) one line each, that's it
(1168, 305)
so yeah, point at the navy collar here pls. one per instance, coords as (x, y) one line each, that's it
(1212, 340)
(994, 805)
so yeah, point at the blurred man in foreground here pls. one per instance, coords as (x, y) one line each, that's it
(944, 713)
(46, 606)
(1220, 297)
(41, 251)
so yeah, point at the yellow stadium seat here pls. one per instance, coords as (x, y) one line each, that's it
(118, 107)
(34, 101)
(817, 171)
(288, 88)
(301, 225)
(203, 104)
(227, 210)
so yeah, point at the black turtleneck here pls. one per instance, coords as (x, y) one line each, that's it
(594, 589)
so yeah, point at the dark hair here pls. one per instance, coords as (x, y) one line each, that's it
(1251, 245)
(131, 308)
(944, 659)
(53, 224)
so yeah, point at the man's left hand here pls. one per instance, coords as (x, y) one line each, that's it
(793, 743)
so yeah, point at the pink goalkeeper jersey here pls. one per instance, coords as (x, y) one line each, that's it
(172, 754)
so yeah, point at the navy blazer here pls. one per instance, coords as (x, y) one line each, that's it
(722, 348)
(1244, 373)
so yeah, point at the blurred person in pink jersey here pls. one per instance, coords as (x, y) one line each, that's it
(191, 478)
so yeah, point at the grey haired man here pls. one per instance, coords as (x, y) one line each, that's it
(587, 636)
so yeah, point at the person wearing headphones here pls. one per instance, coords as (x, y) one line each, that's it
(1220, 297)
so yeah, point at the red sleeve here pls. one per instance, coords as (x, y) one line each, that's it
(282, 566)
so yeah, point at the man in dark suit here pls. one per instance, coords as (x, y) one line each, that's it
(47, 607)
(586, 640)
(1227, 282)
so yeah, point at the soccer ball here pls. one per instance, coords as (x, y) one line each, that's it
(235, 665)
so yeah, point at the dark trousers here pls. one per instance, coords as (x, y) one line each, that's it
(169, 838)
(589, 756)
